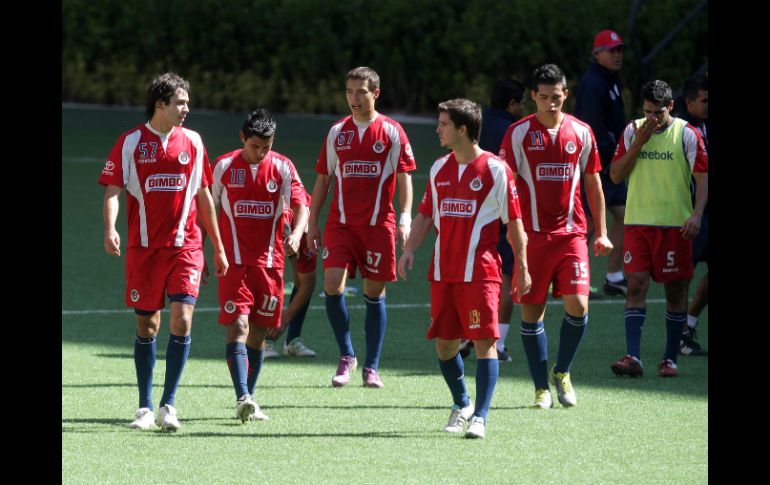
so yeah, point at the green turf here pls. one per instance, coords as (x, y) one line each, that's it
(648, 430)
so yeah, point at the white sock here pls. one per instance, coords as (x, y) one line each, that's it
(692, 321)
(615, 276)
(504, 327)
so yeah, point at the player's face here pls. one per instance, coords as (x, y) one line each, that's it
(699, 107)
(611, 59)
(549, 98)
(176, 110)
(447, 132)
(255, 148)
(658, 112)
(360, 98)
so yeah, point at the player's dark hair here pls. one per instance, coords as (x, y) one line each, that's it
(549, 74)
(693, 84)
(505, 90)
(366, 74)
(259, 123)
(464, 112)
(657, 92)
(161, 89)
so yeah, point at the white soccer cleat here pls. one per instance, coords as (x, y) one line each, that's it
(244, 408)
(166, 418)
(270, 352)
(258, 415)
(143, 419)
(297, 348)
(458, 417)
(564, 390)
(476, 429)
(543, 399)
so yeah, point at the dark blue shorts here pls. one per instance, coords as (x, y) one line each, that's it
(505, 250)
(614, 194)
(700, 247)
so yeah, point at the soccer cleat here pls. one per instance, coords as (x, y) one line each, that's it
(476, 428)
(297, 348)
(465, 348)
(166, 418)
(502, 355)
(564, 391)
(372, 378)
(593, 293)
(628, 366)
(270, 352)
(616, 289)
(543, 399)
(258, 415)
(143, 419)
(688, 345)
(244, 408)
(667, 368)
(347, 365)
(457, 418)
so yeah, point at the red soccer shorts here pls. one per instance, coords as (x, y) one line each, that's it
(151, 273)
(660, 250)
(464, 310)
(372, 249)
(306, 259)
(561, 259)
(253, 291)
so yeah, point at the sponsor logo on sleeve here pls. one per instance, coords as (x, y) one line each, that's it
(165, 182)
(558, 172)
(254, 209)
(457, 208)
(108, 168)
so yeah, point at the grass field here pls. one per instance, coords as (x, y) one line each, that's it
(648, 430)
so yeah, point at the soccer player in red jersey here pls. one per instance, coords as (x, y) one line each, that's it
(548, 152)
(469, 192)
(252, 186)
(165, 171)
(367, 154)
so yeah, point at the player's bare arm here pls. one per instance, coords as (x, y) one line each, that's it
(405, 196)
(622, 167)
(595, 195)
(691, 226)
(420, 227)
(517, 238)
(320, 189)
(292, 240)
(209, 218)
(110, 215)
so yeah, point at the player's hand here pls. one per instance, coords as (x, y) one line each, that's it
(291, 244)
(112, 242)
(402, 234)
(523, 283)
(691, 227)
(643, 133)
(405, 261)
(313, 238)
(220, 263)
(205, 273)
(274, 332)
(602, 246)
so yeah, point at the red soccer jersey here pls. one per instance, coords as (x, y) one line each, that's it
(466, 203)
(549, 170)
(162, 176)
(365, 170)
(252, 209)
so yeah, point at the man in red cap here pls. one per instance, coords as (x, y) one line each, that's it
(600, 104)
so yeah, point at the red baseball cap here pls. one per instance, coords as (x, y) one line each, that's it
(607, 39)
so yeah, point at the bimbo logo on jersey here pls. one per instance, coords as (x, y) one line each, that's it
(254, 208)
(359, 168)
(554, 171)
(165, 182)
(458, 208)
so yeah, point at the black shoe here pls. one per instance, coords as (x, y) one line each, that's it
(615, 289)
(594, 295)
(465, 348)
(502, 355)
(688, 345)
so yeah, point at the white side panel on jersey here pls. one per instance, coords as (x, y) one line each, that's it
(489, 211)
(219, 193)
(333, 165)
(525, 174)
(131, 181)
(391, 164)
(585, 138)
(690, 146)
(500, 190)
(229, 213)
(437, 166)
(192, 186)
(285, 171)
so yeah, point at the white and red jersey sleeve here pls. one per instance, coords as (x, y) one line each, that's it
(549, 167)
(364, 169)
(162, 175)
(252, 207)
(467, 203)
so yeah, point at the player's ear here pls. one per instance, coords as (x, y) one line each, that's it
(376, 93)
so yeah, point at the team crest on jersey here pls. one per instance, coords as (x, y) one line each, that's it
(230, 306)
(570, 147)
(378, 146)
(184, 158)
(476, 184)
(272, 186)
(627, 257)
(325, 253)
(134, 296)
